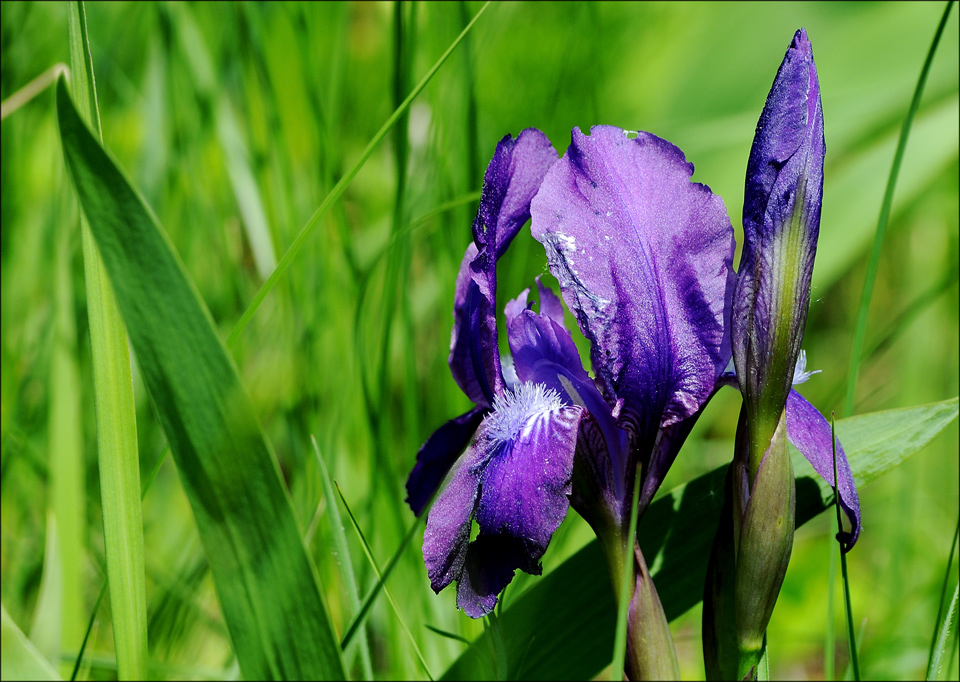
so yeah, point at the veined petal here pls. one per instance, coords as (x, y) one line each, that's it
(544, 353)
(643, 257)
(447, 534)
(530, 438)
(512, 179)
(471, 346)
(781, 223)
(438, 454)
(810, 433)
(515, 480)
(550, 304)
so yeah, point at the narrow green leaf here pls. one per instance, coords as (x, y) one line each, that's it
(572, 641)
(933, 671)
(342, 550)
(19, 659)
(943, 597)
(118, 452)
(874, 263)
(265, 581)
(393, 603)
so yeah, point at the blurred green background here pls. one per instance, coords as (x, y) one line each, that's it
(235, 120)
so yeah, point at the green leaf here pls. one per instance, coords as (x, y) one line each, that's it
(19, 659)
(567, 619)
(265, 581)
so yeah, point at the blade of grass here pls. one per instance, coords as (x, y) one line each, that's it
(375, 590)
(830, 636)
(933, 670)
(103, 587)
(380, 578)
(448, 635)
(20, 660)
(874, 261)
(341, 185)
(32, 89)
(851, 636)
(118, 453)
(265, 581)
(342, 551)
(943, 599)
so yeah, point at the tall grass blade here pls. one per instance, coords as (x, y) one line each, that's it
(943, 599)
(393, 603)
(677, 531)
(851, 636)
(20, 659)
(874, 262)
(32, 89)
(118, 453)
(375, 590)
(933, 670)
(343, 557)
(341, 186)
(265, 581)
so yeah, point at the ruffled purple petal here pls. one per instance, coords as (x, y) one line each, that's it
(550, 304)
(469, 349)
(643, 257)
(512, 179)
(810, 433)
(781, 222)
(516, 306)
(438, 454)
(514, 479)
(447, 534)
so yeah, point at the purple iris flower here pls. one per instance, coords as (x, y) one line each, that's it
(513, 477)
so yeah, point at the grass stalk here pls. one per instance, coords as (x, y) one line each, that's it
(376, 570)
(943, 598)
(854, 658)
(68, 486)
(874, 261)
(933, 669)
(341, 186)
(343, 557)
(116, 414)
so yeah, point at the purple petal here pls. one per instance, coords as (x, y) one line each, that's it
(531, 438)
(512, 179)
(643, 257)
(438, 454)
(516, 306)
(781, 222)
(810, 433)
(544, 353)
(468, 349)
(447, 533)
(550, 304)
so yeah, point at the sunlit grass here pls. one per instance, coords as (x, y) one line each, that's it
(351, 343)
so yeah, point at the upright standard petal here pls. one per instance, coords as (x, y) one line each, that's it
(781, 223)
(643, 257)
(512, 179)
(811, 434)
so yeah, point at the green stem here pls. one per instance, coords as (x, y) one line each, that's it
(115, 409)
(854, 658)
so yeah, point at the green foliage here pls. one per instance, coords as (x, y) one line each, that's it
(351, 342)
(265, 580)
